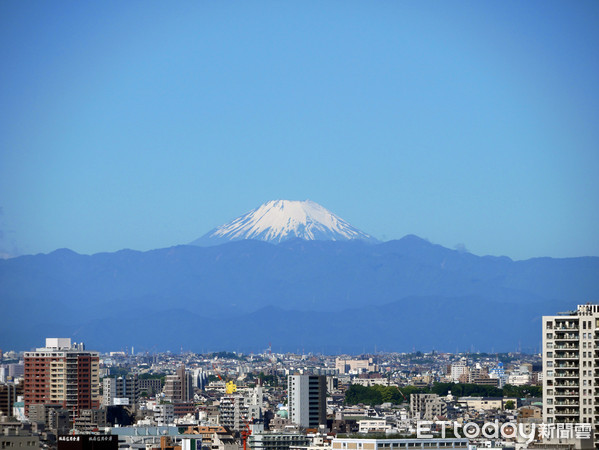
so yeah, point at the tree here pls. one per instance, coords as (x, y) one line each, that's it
(510, 404)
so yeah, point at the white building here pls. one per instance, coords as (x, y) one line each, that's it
(458, 369)
(374, 426)
(570, 386)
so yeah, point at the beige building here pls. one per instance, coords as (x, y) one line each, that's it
(373, 426)
(486, 403)
(345, 366)
(571, 367)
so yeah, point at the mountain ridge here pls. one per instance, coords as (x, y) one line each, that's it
(64, 290)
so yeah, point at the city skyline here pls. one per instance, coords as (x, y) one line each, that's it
(145, 125)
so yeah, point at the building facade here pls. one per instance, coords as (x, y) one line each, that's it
(120, 390)
(427, 406)
(307, 400)
(9, 394)
(398, 444)
(62, 374)
(233, 412)
(571, 367)
(179, 387)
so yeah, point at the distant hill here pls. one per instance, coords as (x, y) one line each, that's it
(311, 295)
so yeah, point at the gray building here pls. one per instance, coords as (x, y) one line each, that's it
(54, 417)
(120, 391)
(277, 441)
(307, 400)
(427, 406)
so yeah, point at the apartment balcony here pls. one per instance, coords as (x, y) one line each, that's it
(567, 412)
(567, 403)
(560, 383)
(566, 374)
(566, 419)
(567, 366)
(566, 355)
(567, 394)
(563, 336)
(566, 347)
(567, 327)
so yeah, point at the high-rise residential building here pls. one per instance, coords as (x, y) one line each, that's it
(179, 387)
(62, 374)
(233, 412)
(120, 390)
(307, 400)
(458, 369)
(571, 367)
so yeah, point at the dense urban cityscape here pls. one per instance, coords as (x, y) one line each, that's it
(63, 395)
(299, 225)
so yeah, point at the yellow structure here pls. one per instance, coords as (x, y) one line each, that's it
(230, 387)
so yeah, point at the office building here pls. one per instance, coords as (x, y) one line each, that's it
(307, 400)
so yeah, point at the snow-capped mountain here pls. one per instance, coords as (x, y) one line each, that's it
(280, 220)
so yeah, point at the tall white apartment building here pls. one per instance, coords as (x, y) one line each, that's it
(307, 400)
(571, 367)
(458, 369)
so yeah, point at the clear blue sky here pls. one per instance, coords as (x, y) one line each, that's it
(145, 124)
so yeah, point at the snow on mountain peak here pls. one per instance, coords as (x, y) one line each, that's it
(279, 220)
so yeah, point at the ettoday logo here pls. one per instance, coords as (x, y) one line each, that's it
(508, 430)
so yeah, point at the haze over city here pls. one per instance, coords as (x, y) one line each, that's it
(144, 125)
